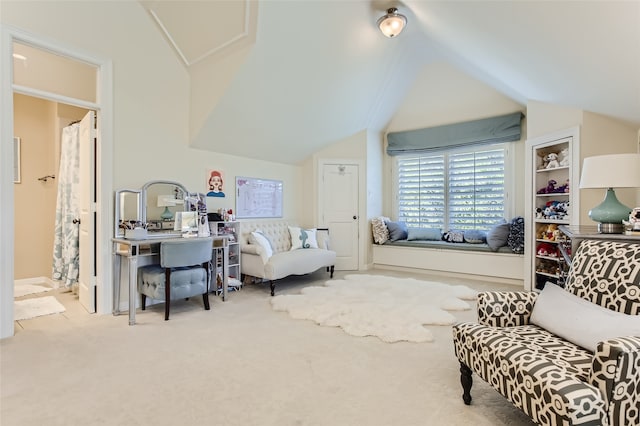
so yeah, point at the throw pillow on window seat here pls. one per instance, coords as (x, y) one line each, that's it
(474, 236)
(380, 230)
(498, 235)
(453, 237)
(397, 230)
(424, 234)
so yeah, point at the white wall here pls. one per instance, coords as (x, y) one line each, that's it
(151, 100)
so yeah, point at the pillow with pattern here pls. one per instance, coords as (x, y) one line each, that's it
(515, 240)
(303, 238)
(453, 237)
(380, 230)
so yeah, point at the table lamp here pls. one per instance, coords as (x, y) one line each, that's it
(610, 171)
(166, 201)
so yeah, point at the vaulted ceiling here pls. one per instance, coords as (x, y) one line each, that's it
(310, 73)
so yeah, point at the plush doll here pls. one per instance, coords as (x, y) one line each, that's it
(546, 249)
(564, 158)
(563, 189)
(539, 214)
(549, 189)
(552, 161)
(551, 233)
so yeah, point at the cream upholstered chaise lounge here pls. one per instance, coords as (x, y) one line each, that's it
(564, 356)
(275, 259)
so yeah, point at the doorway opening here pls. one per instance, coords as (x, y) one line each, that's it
(52, 86)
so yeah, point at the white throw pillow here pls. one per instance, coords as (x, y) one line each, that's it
(303, 238)
(259, 239)
(578, 320)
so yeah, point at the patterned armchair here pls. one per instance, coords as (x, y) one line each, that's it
(554, 381)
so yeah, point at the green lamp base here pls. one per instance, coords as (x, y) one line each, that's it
(610, 214)
(167, 215)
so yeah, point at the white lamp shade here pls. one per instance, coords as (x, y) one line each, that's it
(166, 200)
(611, 171)
(392, 23)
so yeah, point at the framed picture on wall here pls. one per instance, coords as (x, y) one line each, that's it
(258, 198)
(16, 160)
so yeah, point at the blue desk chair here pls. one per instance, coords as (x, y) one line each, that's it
(184, 271)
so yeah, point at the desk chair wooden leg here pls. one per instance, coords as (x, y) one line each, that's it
(331, 276)
(167, 292)
(144, 301)
(205, 295)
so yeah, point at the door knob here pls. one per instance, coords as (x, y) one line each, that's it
(355, 217)
(76, 221)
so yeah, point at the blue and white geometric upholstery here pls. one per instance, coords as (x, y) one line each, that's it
(553, 381)
(183, 272)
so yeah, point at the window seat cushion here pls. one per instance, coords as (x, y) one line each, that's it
(447, 245)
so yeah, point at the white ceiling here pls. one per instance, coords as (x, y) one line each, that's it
(320, 71)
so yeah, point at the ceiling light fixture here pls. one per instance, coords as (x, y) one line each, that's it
(392, 23)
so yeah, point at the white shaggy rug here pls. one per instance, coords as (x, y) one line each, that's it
(36, 307)
(392, 309)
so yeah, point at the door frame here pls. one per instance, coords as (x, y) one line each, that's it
(362, 199)
(104, 164)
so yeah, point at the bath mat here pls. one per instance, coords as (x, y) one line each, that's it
(20, 290)
(36, 307)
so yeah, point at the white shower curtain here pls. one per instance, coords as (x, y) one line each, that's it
(65, 244)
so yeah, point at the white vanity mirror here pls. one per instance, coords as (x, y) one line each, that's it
(128, 210)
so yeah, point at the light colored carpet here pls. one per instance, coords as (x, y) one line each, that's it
(392, 309)
(21, 290)
(239, 364)
(36, 307)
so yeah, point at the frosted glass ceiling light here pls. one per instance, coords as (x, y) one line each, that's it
(392, 23)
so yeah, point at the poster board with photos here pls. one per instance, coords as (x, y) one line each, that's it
(258, 198)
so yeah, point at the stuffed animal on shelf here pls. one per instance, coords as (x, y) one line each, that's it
(552, 161)
(549, 189)
(551, 233)
(563, 189)
(546, 249)
(564, 158)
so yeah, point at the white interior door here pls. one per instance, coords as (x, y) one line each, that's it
(339, 212)
(87, 249)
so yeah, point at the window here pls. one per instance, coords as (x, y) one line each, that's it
(457, 189)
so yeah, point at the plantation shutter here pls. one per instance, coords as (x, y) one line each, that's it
(421, 191)
(476, 189)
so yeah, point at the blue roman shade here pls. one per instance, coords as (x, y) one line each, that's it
(505, 128)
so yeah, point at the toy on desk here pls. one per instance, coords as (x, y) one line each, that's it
(132, 224)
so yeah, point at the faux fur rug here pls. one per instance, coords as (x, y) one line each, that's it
(392, 309)
(36, 307)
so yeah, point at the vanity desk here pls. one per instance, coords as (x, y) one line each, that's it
(133, 250)
(151, 210)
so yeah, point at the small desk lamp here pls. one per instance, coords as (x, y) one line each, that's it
(610, 171)
(166, 201)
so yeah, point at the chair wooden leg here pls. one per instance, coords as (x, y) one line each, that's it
(331, 276)
(144, 301)
(167, 293)
(467, 381)
(205, 299)
(273, 287)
